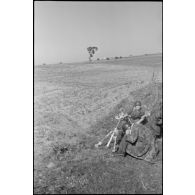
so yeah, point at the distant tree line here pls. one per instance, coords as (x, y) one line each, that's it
(109, 58)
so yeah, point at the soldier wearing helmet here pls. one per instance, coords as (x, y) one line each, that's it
(135, 114)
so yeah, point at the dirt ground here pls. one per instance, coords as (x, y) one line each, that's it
(71, 101)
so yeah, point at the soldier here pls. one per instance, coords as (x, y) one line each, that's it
(136, 114)
(131, 135)
(155, 124)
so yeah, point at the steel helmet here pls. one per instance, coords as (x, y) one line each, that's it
(137, 103)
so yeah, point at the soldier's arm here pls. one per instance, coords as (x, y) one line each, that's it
(143, 115)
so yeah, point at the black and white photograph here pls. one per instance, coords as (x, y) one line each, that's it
(98, 97)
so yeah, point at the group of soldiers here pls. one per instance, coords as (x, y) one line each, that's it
(127, 133)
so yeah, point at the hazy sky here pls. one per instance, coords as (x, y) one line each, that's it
(63, 30)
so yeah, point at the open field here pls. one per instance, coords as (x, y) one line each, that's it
(71, 101)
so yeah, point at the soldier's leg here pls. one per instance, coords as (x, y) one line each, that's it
(120, 132)
(119, 137)
(123, 146)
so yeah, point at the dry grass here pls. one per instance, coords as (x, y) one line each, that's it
(74, 107)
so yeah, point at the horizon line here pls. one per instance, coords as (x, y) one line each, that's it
(77, 62)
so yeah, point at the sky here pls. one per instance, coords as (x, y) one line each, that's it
(64, 30)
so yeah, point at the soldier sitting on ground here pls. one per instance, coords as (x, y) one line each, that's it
(136, 114)
(155, 124)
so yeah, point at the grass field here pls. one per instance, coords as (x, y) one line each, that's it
(71, 101)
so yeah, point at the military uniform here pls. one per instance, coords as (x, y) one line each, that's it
(155, 124)
(134, 115)
(139, 141)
